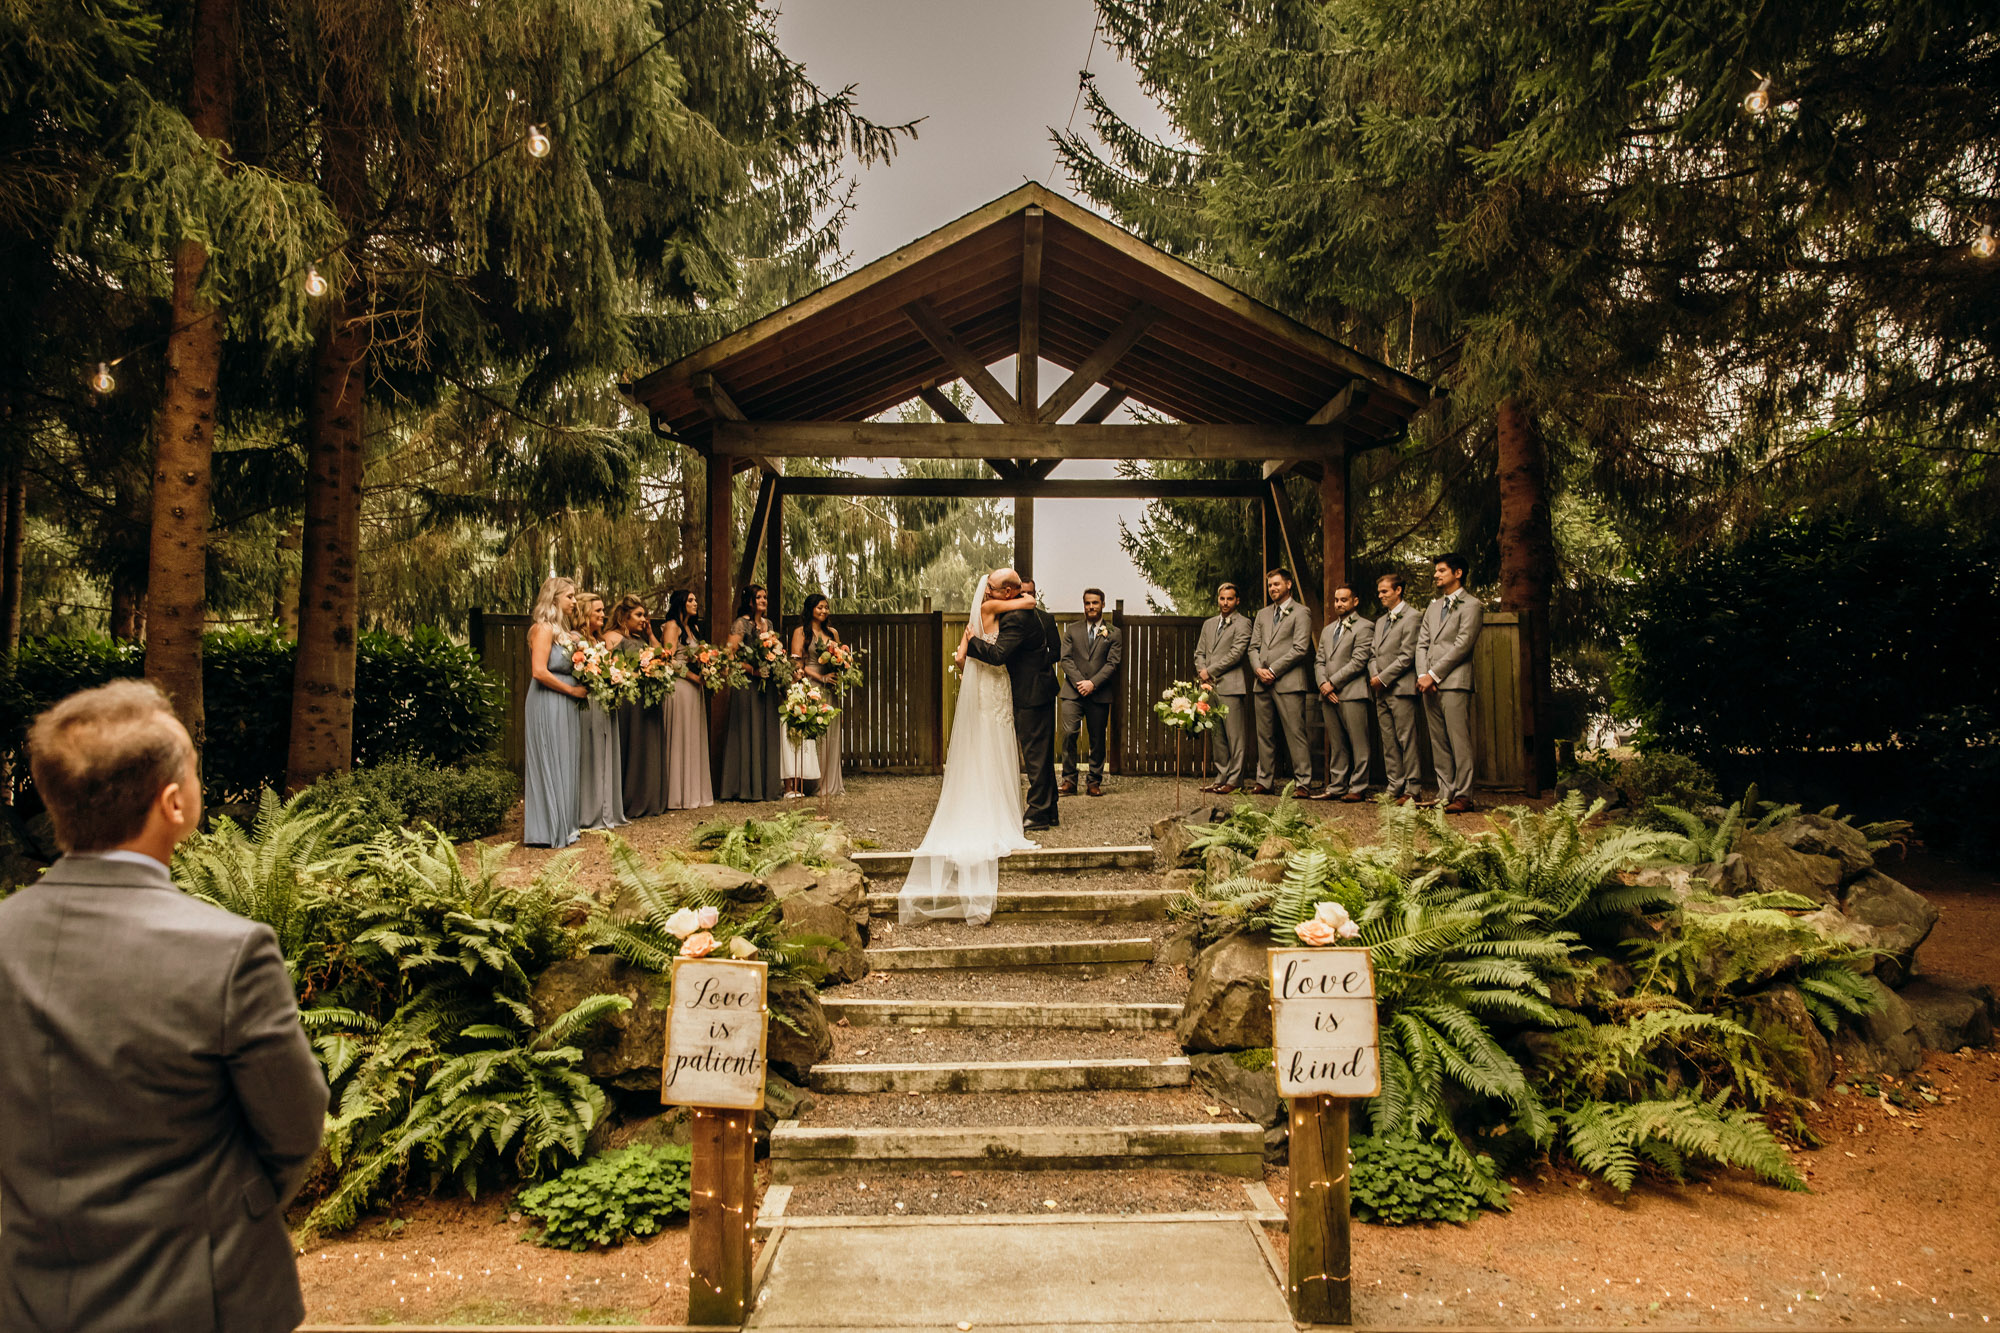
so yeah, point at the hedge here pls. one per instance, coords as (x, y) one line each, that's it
(422, 696)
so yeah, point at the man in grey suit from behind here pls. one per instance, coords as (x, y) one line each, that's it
(1222, 662)
(1281, 649)
(161, 1104)
(1444, 678)
(1342, 664)
(1392, 669)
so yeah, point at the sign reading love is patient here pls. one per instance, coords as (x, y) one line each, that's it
(1323, 1023)
(715, 1034)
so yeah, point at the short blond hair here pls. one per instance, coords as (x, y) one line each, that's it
(101, 757)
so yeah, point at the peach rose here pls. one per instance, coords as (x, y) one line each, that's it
(1335, 916)
(1313, 931)
(699, 945)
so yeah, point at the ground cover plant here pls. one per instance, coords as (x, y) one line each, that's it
(612, 1198)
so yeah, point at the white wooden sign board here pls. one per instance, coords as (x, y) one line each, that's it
(1323, 1023)
(716, 1034)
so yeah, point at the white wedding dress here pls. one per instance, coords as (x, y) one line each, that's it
(955, 871)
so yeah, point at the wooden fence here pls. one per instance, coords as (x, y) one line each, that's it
(900, 721)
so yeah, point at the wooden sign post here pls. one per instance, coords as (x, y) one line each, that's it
(1324, 1050)
(715, 1064)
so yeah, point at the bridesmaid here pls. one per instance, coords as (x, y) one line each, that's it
(750, 749)
(642, 732)
(689, 786)
(552, 724)
(816, 623)
(600, 786)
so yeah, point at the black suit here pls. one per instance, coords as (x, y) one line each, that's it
(1028, 653)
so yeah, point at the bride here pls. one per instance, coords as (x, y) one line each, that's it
(955, 871)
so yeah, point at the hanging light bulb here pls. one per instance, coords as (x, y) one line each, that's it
(1759, 99)
(538, 141)
(102, 381)
(315, 283)
(1984, 244)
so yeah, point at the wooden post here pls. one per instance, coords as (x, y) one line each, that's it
(720, 1215)
(774, 548)
(1321, 1279)
(721, 609)
(1024, 536)
(1333, 525)
(936, 677)
(1114, 726)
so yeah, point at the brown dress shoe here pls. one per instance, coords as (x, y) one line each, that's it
(1354, 797)
(1459, 807)
(1094, 789)
(1254, 790)
(1067, 787)
(1222, 789)
(1329, 794)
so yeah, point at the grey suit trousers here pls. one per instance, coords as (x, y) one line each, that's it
(1289, 711)
(1402, 767)
(1449, 713)
(1348, 751)
(1226, 742)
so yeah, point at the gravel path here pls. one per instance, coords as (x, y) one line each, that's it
(887, 1110)
(956, 1193)
(1152, 986)
(891, 1045)
(1010, 930)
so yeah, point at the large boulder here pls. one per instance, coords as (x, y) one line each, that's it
(1774, 867)
(624, 1049)
(1251, 1093)
(1729, 876)
(792, 1049)
(1950, 1017)
(1885, 1042)
(1181, 881)
(1170, 843)
(783, 1100)
(742, 893)
(831, 902)
(1892, 918)
(1816, 835)
(1228, 1006)
(1783, 1007)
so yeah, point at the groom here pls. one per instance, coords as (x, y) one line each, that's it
(1028, 655)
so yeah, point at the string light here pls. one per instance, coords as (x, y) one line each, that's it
(1759, 99)
(315, 284)
(1984, 244)
(538, 141)
(102, 381)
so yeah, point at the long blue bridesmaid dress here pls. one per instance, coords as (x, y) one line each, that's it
(554, 743)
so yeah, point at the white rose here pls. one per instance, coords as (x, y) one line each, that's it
(684, 922)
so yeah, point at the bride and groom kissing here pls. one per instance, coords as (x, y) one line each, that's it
(1005, 721)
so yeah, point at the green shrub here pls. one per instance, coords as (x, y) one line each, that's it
(759, 846)
(1398, 1179)
(611, 1198)
(461, 803)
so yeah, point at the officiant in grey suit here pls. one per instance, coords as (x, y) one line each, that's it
(1342, 668)
(1281, 651)
(1392, 677)
(1222, 662)
(159, 1102)
(1444, 679)
(1092, 651)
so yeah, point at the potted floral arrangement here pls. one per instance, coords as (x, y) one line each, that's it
(807, 712)
(1189, 708)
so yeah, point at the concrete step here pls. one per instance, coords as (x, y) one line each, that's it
(1090, 958)
(1036, 860)
(799, 1154)
(998, 1014)
(1059, 905)
(1003, 1076)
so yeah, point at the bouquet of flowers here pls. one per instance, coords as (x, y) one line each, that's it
(765, 660)
(713, 668)
(807, 711)
(841, 661)
(608, 678)
(658, 669)
(1191, 707)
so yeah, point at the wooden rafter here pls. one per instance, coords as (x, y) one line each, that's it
(1342, 405)
(760, 522)
(993, 488)
(940, 403)
(723, 408)
(963, 363)
(1028, 359)
(900, 439)
(1107, 403)
(1099, 363)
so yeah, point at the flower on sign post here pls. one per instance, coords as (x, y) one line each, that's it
(1329, 924)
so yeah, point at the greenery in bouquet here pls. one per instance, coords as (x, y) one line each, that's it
(808, 711)
(842, 662)
(607, 677)
(765, 660)
(657, 669)
(714, 668)
(1190, 706)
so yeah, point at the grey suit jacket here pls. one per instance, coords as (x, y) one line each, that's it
(1283, 647)
(1097, 664)
(1223, 651)
(1344, 647)
(1393, 654)
(160, 1106)
(1444, 643)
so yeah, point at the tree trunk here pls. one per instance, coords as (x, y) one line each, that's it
(1527, 568)
(694, 566)
(322, 730)
(184, 431)
(285, 606)
(127, 599)
(11, 548)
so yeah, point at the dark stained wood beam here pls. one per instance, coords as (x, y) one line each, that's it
(992, 488)
(753, 540)
(1039, 469)
(1285, 547)
(1027, 370)
(1343, 404)
(939, 402)
(1106, 404)
(1099, 363)
(900, 439)
(723, 408)
(962, 362)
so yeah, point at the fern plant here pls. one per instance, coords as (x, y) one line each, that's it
(1615, 1140)
(759, 846)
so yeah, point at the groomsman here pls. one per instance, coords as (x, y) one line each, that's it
(1221, 661)
(1281, 649)
(1444, 677)
(1092, 650)
(1392, 676)
(1343, 686)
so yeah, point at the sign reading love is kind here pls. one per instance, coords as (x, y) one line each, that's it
(1323, 1023)
(715, 1034)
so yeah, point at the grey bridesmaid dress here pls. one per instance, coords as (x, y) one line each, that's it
(601, 774)
(829, 745)
(689, 785)
(553, 737)
(750, 752)
(642, 740)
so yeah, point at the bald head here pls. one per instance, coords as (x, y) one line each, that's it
(1004, 581)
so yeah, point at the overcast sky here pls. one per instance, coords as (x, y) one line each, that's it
(989, 78)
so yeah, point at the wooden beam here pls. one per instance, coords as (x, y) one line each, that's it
(718, 610)
(1024, 536)
(1099, 363)
(940, 403)
(903, 439)
(1278, 467)
(753, 539)
(1039, 469)
(1106, 404)
(1027, 365)
(1345, 403)
(962, 362)
(1287, 549)
(1001, 488)
(716, 398)
(774, 550)
(1333, 525)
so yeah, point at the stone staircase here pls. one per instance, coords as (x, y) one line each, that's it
(1041, 1042)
